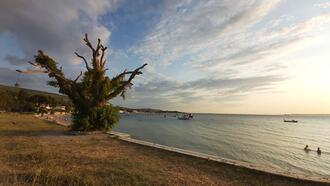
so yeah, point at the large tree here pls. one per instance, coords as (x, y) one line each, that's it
(91, 91)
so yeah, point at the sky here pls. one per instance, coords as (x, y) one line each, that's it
(216, 56)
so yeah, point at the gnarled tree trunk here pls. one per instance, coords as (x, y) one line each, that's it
(91, 90)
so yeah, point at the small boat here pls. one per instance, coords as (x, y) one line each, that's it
(183, 118)
(291, 121)
(186, 117)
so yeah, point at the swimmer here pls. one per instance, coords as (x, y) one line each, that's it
(318, 151)
(307, 148)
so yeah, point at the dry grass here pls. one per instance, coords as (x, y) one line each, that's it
(35, 152)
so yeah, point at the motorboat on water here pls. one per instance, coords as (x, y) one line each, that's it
(186, 116)
(290, 121)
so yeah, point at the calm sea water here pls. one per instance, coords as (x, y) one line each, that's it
(260, 140)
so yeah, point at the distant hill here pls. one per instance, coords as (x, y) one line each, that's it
(147, 110)
(33, 92)
(60, 97)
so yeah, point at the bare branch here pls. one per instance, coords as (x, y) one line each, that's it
(98, 46)
(82, 57)
(135, 72)
(103, 49)
(35, 64)
(78, 76)
(127, 83)
(88, 43)
(37, 71)
(104, 63)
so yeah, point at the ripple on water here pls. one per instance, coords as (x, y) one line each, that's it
(261, 140)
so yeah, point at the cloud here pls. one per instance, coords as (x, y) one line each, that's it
(170, 94)
(57, 27)
(187, 27)
(264, 45)
(14, 60)
(240, 84)
(325, 5)
(10, 77)
(213, 51)
(54, 26)
(217, 36)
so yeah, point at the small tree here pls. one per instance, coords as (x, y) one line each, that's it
(91, 90)
(40, 102)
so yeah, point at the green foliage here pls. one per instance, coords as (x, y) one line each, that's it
(91, 91)
(7, 100)
(98, 118)
(105, 117)
(23, 101)
(42, 100)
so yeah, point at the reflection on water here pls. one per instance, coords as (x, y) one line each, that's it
(263, 140)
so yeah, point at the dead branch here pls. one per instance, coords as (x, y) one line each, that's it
(35, 64)
(98, 46)
(37, 71)
(82, 57)
(127, 83)
(103, 49)
(88, 43)
(78, 76)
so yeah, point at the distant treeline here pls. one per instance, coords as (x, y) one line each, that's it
(23, 101)
(148, 110)
(14, 99)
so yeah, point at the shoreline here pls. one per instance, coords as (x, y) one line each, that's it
(127, 138)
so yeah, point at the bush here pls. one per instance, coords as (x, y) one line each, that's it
(99, 118)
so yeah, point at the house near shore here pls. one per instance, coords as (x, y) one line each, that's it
(59, 110)
(45, 106)
(124, 112)
(56, 110)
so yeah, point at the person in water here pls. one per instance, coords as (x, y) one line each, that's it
(307, 148)
(318, 151)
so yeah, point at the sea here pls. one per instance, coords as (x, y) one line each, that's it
(255, 139)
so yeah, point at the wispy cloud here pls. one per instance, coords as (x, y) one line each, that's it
(207, 35)
(226, 43)
(323, 5)
(171, 94)
(14, 60)
(187, 27)
(10, 77)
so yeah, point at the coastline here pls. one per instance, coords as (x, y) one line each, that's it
(127, 138)
(57, 119)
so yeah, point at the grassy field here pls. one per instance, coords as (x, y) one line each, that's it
(36, 152)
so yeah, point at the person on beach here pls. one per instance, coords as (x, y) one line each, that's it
(307, 148)
(318, 151)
